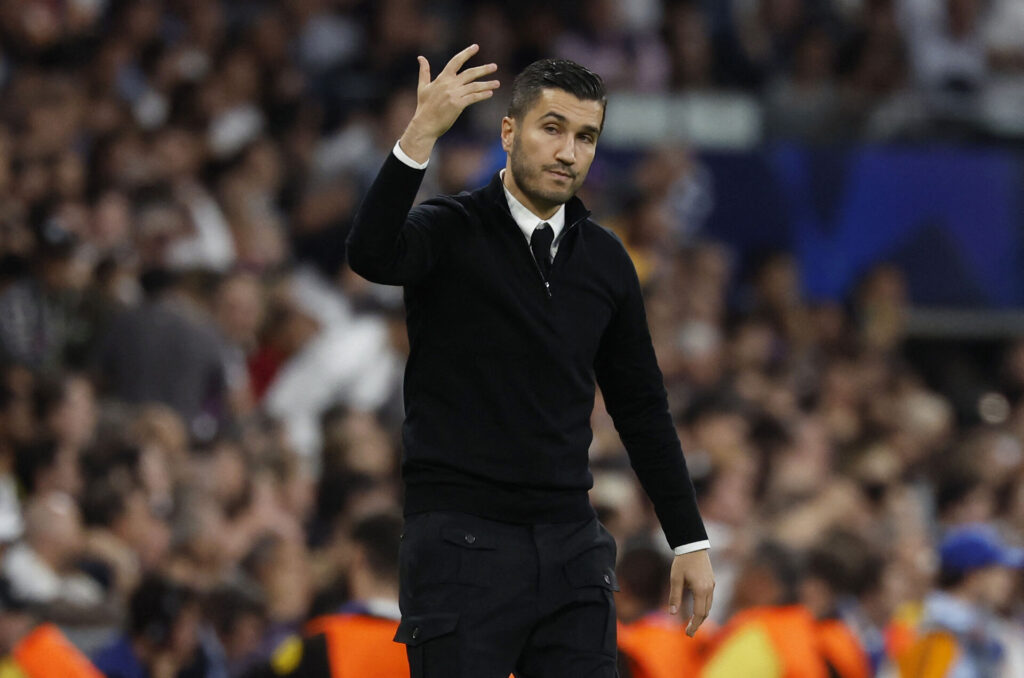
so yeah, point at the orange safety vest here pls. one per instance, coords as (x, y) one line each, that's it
(47, 653)
(361, 646)
(842, 650)
(931, 655)
(657, 647)
(902, 631)
(792, 641)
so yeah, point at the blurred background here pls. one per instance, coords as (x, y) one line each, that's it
(824, 200)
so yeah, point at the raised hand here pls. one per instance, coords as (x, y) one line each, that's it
(440, 102)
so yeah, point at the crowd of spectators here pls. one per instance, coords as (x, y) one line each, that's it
(195, 390)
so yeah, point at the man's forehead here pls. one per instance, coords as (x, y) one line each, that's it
(569, 106)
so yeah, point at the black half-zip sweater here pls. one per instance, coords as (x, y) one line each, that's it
(499, 386)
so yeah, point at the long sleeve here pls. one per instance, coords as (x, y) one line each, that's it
(390, 243)
(634, 393)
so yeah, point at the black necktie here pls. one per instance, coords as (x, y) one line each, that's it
(540, 243)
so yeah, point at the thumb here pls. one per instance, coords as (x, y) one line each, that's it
(424, 71)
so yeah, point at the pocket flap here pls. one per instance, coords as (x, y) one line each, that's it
(467, 538)
(420, 628)
(584, 571)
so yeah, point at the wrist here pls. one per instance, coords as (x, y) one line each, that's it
(417, 144)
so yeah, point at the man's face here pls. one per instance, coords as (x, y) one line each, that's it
(550, 149)
(994, 586)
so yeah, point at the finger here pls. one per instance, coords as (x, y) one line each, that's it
(424, 71)
(459, 59)
(701, 610)
(471, 99)
(474, 87)
(471, 74)
(675, 594)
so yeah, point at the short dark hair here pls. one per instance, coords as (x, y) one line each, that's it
(103, 502)
(155, 607)
(643, 571)
(32, 458)
(846, 562)
(561, 74)
(380, 536)
(229, 602)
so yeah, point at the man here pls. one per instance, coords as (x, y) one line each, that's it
(43, 569)
(959, 634)
(515, 303)
(356, 640)
(32, 649)
(162, 634)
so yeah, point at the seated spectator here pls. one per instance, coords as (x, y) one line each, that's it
(122, 531)
(947, 54)
(42, 568)
(161, 636)
(237, 619)
(45, 466)
(162, 351)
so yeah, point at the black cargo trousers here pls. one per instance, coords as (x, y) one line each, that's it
(483, 599)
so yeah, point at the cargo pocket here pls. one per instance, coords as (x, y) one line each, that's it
(595, 584)
(476, 554)
(431, 644)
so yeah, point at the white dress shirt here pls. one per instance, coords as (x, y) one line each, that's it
(528, 222)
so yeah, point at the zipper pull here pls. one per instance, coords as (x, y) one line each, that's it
(547, 287)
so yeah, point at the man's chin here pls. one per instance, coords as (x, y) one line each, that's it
(549, 195)
(557, 197)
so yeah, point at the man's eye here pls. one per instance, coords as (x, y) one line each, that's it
(586, 138)
(551, 129)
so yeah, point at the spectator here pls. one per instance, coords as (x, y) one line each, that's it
(43, 466)
(947, 54)
(357, 639)
(161, 352)
(37, 311)
(804, 104)
(238, 618)
(41, 568)
(32, 648)
(622, 58)
(653, 643)
(775, 631)
(161, 636)
(958, 628)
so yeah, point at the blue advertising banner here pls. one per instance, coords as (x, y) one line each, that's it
(951, 219)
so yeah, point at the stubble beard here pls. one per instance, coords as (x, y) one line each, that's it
(529, 180)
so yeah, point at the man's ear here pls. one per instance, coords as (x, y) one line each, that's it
(508, 133)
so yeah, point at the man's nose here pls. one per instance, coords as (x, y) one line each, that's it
(567, 151)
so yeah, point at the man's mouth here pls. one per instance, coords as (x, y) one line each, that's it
(560, 173)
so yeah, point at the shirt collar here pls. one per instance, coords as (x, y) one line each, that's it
(945, 611)
(527, 220)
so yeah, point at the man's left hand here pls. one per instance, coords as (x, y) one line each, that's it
(692, 571)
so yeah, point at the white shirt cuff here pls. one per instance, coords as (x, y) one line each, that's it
(400, 154)
(690, 548)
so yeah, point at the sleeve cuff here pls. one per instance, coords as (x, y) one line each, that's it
(400, 154)
(690, 548)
